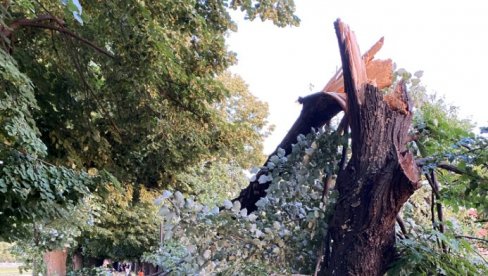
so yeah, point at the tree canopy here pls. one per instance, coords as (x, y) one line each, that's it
(108, 108)
(101, 98)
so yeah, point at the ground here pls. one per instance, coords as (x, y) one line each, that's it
(11, 269)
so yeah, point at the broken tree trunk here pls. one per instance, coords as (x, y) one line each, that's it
(380, 176)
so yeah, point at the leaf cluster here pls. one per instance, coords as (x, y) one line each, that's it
(281, 237)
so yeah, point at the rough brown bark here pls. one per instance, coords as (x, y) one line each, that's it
(380, 176)
(56, 262)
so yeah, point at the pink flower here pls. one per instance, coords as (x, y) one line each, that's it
(472, 213)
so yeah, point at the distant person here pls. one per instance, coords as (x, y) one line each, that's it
(127, 269)
(141, 273)
(107, 265)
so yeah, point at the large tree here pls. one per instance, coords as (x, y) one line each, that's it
(127, 90)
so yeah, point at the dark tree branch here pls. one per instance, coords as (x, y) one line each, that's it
(37, 23)
(327, 184)
(436, 205)
(450, 168)
(440, 215)
(344, 129)
(442, 165)
(102, 109)
(471, 238)
(401, 223)
(73, 35)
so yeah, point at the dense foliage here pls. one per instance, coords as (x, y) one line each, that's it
(104, 105)
(121, 95)
(285, 235)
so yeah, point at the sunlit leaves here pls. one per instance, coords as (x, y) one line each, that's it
(280, 12)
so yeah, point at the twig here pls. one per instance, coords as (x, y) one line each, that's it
(471, 238)
(401, 223)
(71, 34)
(442, 165)
(327, 184)
(320, 258)
(344, 127)
(435, 205)
(90, 90)
(451, 168)
(36, 23)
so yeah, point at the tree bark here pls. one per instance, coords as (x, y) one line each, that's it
(77, 260)
(56, 262)
(380, 176)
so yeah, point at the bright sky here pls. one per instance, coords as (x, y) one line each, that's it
(446, 39)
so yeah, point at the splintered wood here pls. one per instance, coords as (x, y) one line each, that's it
(365, 69)
(394, 100)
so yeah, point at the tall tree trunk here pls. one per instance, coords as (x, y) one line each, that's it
(380, 176)
(56, 262)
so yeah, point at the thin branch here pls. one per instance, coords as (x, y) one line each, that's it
(323, 255)
(440, 215)
(90, 90)
(401, 223)
(36, 23)
(71, 34)
(327, 184)
(441, 165)
(438, 206)
(320, 259)
(344, 128)
(451, 168)
(16, 24)
(471, 238)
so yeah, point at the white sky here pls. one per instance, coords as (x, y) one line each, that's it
(446, 39)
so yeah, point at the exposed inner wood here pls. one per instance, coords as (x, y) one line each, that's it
(396, 101)
(377, 71)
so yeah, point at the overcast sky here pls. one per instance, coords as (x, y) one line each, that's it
(446, 39)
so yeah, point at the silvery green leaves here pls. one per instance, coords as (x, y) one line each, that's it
(281, 236)
(264, 179)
